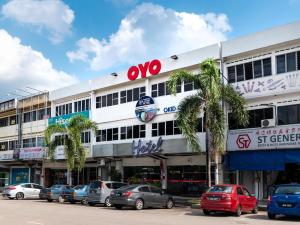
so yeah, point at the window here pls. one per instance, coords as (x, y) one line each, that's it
(86, 137)
(144, 189)
(111, 134)
(250, 70)
(26, 185)
(161, 89)
(136, 131)
(132, 94)
(255, 118)
(29, 142)
(107, 100)
(4, 122)
(220, 189)
(12, 145)
(246, 192)
(3, 146)
(37, 186)
(288, 62)
(82, 105)
(240, 191)
(65, 109)
(40, 142)
(27, 117)
(43, 114)
(12, 120)
(289, 114)
(189, 85)
(7, 105)
(156, 190)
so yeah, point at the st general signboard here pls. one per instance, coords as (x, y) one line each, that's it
(64, 119)
(282, 137)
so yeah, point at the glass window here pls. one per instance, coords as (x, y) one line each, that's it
(129, 95)
(115, 98)
(109, 135)
(154, 90)
(123, 133)
(169, 127)
(123, 97)
(221, 189)
(154, 130)
(294, 190)
(280, 60)
(176, 128)
(240, 72)
(231, 74)
(136, 131)
(161, 129)
(129, 132)
(142, 131)
(288, 114)
(115, 134)
(257, 69)
(267, 67)
(155, 190)
(298, 60)
(248, 71)
(26, 185)
(142, 91)
(98, 102)
(291, 61)
(136, 94)
(188, 86)
(240, 191)
(103, 101)
(109, 100)
(144, 189)
(161, 89)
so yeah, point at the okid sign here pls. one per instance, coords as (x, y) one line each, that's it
(153, 67)
(282, 137)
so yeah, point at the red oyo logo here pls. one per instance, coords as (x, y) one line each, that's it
(243, 141)
(153, 67)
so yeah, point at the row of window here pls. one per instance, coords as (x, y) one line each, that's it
(7, 105)
(63, 109)
(260, 68)
(82, 105)
(31, 116)
(289, 114)
(79, 106)
(27, 143)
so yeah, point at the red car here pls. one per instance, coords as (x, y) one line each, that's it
(228, 198)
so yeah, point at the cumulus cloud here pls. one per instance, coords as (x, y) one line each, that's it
(52, 16)
(21, 66)
(149, 31)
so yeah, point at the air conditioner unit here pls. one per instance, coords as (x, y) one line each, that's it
(101, 162)
(268, 123)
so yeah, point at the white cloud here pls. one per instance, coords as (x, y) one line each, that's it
(21, 66)
(52, 16)
(150, 31)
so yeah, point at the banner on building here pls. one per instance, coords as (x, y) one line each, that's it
(32, 153)
(6, 155)
(60, 152)
(281, 137)
(65, 119)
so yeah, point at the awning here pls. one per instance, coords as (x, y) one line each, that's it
(261, 160)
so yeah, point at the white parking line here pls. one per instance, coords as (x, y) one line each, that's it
(35, 223)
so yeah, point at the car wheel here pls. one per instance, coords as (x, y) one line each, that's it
(19, 195)
(238, 212)
(170, 204)
(139, 204)
(107, 202)
(72, 201)
(61, 199)
(84, 201)
(206, 212)
(255, 210)
(49, 200)
(271, 216)
(118, 206)
(91, 204)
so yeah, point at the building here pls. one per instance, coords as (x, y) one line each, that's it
(22, 124)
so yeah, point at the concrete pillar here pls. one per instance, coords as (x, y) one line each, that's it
(163, 174)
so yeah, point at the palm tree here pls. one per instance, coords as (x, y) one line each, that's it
(211, 93)
(71, 139)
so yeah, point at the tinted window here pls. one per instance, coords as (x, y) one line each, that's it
(280, 63)
(240, 191)
(240, 72)
(257, 69)
(118, 185)
(248, 71)
(247, 193)
(26, 185)
(37, 186)
(267, 67)
(291, 61)
(156, 190)
(95, 184)
(144, 189)
(231, 74)
(294, 190)
(222, 189)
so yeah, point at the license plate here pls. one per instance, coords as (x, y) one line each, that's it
(118, 194)
(213, 198)
(286, 205)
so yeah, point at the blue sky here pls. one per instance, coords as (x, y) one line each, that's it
(79, 40)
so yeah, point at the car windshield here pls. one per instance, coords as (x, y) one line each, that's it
(221, 189)
(56, 186)
(292, 190)
(78, 187)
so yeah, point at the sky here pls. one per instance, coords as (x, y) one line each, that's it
(49, 44)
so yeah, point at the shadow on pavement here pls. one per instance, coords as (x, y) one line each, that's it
(278, 218)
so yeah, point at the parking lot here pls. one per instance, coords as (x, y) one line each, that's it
(38, 212)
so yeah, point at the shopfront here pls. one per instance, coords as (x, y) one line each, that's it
(265, 157)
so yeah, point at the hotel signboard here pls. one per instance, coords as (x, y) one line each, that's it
(282, 137)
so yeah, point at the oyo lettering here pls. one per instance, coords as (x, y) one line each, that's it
(153, 67)
(170, 109)
(147, 148)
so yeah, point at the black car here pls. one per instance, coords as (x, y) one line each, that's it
(141, 196)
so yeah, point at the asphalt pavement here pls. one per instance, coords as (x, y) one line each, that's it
(39, 212)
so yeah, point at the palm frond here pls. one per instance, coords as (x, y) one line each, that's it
(237, 104)
(187, 117)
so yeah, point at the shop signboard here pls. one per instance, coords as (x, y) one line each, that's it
(270, 85)
(19, 175)
(60, 152)
(152, 67)
(145, 109)
(146, 147)
(6, 155)
(32, 153)
(65, 119)
(281, 137)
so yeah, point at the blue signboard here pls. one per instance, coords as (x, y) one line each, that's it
(64, 119)
(19, 175)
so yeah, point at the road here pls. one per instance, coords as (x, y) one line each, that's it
(37, 212)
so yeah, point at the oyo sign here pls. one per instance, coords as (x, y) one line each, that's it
(153, 67)
(243, 141)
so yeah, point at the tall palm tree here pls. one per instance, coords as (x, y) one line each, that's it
(211, 92)
(70, 136)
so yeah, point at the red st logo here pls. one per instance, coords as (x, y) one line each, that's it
(153, 67)
(243, 141)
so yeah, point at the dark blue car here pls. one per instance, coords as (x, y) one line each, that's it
(285, 200)
(80, 194)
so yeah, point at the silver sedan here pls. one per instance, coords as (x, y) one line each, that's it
(21, 191)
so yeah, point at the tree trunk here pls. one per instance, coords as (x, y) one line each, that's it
(208, 160)
(217, 168)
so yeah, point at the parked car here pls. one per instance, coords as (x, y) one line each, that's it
(285, 200)
(24, 190)
(59, 192)
(228, 198)
(79, 194)
(140, 196)
(99, 192)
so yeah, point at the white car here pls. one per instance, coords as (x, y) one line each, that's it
(20, 191)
